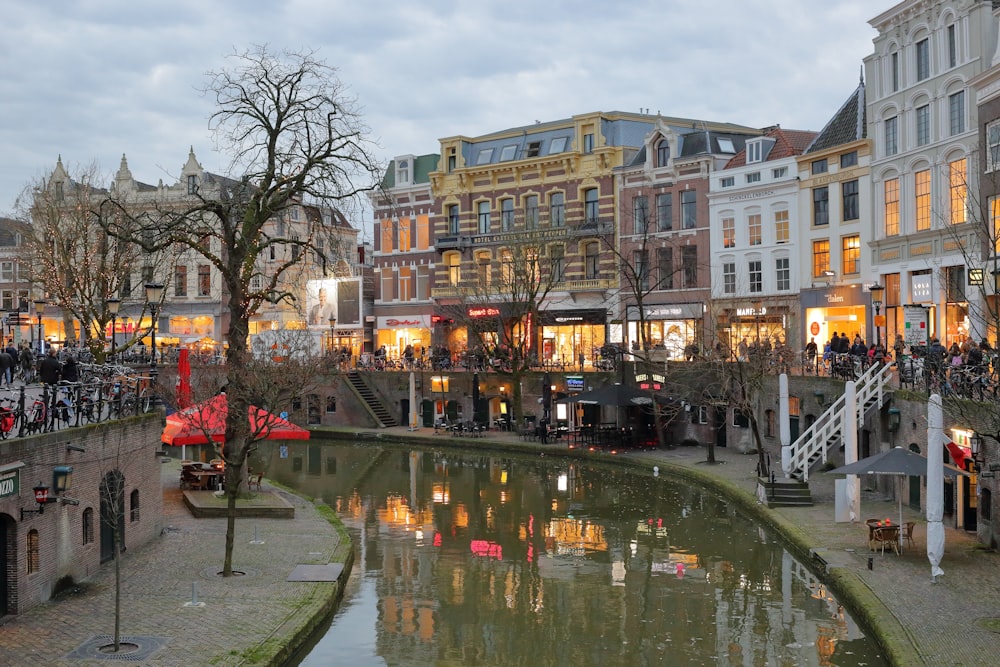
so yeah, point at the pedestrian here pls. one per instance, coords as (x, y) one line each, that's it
(898, 346)
(70, 371)
(7, 367)
(811, 350)
(27, 360)
(50, 370)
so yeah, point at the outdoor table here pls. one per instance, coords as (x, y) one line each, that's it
(883, 533)
(210, 477)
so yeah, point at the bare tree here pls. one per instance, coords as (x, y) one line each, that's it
(70, 257)
(294, 137)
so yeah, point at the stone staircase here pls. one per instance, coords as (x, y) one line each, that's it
(370, 400)
(813, 445)
(784, 493)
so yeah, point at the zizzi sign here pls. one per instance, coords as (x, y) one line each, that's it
(9, 483)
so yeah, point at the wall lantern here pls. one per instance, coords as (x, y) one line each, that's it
(62, 479)
(41, 497)
(976, 444)
(895, 419)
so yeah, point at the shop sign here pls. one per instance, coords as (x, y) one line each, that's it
(574, 383)
(915, 328)
(920, 287)
(824, 297)
(675, 311)
(566, 317)
(403, 322)
(751, 312)
(10, 483)
(484, 311)
(814, 328)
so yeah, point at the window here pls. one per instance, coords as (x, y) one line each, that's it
(891, 139)
(591, 206)
(891, 187)
(922, 199)
(993, 145)
(507, 214)
(88, 525)
(689, 209)
(850, 255)
(783, 274)
(331, 404)
(726, 145)
(781, 229)
(640, 214)
(453, 219)
(923, 59)
(663, 153)
(894, 66)
(640, 265)
(557, 145)
(403, 172)
(753, 177)
(821, 206)
(591, 260)
(557, 209)
(952, 47)
(755, 150)
(192, 181)
(665, 267)
(848, 159)
(508, 152)
(923, 125)
(506, 268)
(126, 288)
(729, 232)
(729, 278)
(7, 300)
(754, 229)
(204, 280)
(7, 272)
(453, 261)
(256, 282)
(557, 256)
(849, 197)
(994, 229)
(531, 211)
(779, 172)
(818, 167)
(33, 557)
(958, 187)
(756, 276)
(451, 160)
(769, 422)
(484, 156)
(727, 182)
(956, 112)
(821, 258)
(665, 208)
(534, 149)
(689, 266)
(180, 280)
(588, 143)
(133, 506)
(954, 277)
(483, 268)
(483, 208)
(147, 274)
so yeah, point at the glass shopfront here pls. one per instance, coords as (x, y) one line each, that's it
(842, 310)
(762, 325)
(676, 328)
(397, 331)
(571, 338)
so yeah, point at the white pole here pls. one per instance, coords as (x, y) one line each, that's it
(850, 429)
(413, 402)
(784, 426)
(935, 485)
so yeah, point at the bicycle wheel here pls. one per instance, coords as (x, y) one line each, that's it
(128, 405)
(145, 402)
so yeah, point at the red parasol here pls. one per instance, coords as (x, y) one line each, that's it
(189, 427)
(183, 379)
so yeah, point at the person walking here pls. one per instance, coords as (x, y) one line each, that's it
(50, 370)
(27, 360)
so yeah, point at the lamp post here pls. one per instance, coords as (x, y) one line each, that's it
(333, 325)
(154, 294)
(39, 310)
(876, 291)
(113, 306)
(976, 445)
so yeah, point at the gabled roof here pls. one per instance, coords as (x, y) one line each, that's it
(787, 143)
(847, 125)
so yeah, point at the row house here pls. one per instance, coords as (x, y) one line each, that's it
(15, 282)
(756, 237)
(194, 313)
(404, 254)
(926, 161)
(664, 240)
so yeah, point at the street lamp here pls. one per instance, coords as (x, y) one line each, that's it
(154, 294)
(39, 310)
(876, 292)
(113, 306)
(976, 445)
(333, 325)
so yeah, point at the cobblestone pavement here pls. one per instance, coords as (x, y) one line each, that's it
(240, 616)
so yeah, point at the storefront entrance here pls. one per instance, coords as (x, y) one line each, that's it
(842, 310)
(571, 338)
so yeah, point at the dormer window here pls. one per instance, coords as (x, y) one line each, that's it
(192, 185)
(662, 153)
(557, 145)
(403, 172)
(507, 152)
(755, 151)
(726, 146)
(485, 155)
(534, 149)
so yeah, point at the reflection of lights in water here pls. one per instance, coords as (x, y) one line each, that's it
(503, 476)
(419, 534)
(562, 483)
(440, 493)
(503, 498)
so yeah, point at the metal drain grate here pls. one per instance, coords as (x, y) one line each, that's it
(91, 649)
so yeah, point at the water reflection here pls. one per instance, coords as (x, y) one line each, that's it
(467, 559)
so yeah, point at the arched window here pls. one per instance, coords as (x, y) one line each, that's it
(591, 260)
(88, 525)
(133, 505)
(662, 153)
(312, 414)
(34, 557)
(331, 404)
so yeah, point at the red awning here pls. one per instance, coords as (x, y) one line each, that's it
(959, 454)
(194, 425)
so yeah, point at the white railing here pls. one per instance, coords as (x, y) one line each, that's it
(815, 440)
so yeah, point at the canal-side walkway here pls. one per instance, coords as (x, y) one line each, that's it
(955, 621)
(244, 620)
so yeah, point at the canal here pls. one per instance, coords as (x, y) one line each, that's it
(475, 559)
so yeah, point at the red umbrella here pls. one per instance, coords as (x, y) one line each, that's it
(183, 379)
(190, 426)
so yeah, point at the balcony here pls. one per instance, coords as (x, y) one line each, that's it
(451, 243)
(592, 285)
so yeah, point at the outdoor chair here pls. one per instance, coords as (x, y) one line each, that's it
(255, 481)
(909, 533)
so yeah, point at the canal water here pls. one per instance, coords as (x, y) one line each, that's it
(473, 559)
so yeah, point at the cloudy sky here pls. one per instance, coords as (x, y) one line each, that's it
(92, 79)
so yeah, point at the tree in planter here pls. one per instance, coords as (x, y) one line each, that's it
(70, 258)
(294, 137)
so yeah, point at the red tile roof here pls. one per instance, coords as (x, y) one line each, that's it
(786, 144)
